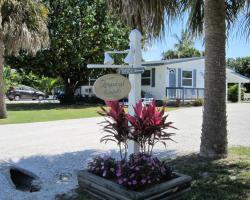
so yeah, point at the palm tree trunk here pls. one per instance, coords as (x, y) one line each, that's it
(3, 113)
(214, 127)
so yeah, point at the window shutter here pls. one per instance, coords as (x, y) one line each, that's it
(194, 78)
(179, 77)
(153, 78)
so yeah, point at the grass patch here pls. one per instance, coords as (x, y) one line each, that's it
(226, 179)
(27, 113)
(43, 112)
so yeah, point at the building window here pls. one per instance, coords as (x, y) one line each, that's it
(146, 78)
(187, 78)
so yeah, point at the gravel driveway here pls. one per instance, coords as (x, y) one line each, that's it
(52, 149)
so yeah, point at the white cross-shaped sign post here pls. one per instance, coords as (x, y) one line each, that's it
(134, 60)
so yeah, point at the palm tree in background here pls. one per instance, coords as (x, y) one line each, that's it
(183, 48)
(183, 41)
(215, 16)
(23, 25)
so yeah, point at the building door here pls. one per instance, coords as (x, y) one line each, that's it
(172, 84)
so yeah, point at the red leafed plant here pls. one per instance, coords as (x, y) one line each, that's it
(149, 126)
(116, 125)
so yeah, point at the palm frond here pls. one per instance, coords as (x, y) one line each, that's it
(23, 25)
(149, 16)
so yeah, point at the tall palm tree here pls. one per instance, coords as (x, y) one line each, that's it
(152, 15)
(216, 17)
(23, 25)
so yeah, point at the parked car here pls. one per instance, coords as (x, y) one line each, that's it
(24, 92)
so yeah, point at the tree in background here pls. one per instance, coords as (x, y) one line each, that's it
(11, 78)
(23, 25)
(80, 32)
(241, 66)
(42, 83)
(184, 48)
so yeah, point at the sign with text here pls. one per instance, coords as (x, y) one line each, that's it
(131, 70)
(112, 87)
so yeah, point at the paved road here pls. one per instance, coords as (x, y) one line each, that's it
(51, 138)
(55, 149)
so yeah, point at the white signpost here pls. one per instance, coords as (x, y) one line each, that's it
(134, 60)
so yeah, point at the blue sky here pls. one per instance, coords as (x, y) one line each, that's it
(237, 46)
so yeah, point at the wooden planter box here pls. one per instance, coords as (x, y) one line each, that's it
(103, 189)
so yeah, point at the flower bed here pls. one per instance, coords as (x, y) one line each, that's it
(139, 172)
(139, 176)
(104, 189)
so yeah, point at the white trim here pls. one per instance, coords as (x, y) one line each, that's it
(107, 66)
(188, 70)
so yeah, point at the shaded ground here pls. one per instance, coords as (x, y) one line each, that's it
(227, 179)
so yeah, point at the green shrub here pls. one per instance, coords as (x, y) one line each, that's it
(233, 93)
(197, 102)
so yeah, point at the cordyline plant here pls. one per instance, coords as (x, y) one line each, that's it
(116, 126)
(148, 126)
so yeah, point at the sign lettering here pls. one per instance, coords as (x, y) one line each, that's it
(112, 87)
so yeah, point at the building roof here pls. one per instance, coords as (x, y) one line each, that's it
(169, 62)
(234, 77)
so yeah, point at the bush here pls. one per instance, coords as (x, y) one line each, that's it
(233, 93)
(66, 99)
(147, 127)
(177, 103)
(197, 102)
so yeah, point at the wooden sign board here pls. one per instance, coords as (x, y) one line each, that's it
(112, 87)
(131, 70)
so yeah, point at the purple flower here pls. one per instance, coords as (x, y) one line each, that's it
(143, 181)
(134, 182)
(120, 181)
(119, 172)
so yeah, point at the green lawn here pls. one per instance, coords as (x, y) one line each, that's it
(27, 113)
(227, 179)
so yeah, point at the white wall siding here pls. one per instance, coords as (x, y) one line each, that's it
(198, 65)
(159, 90)
(162, 77)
